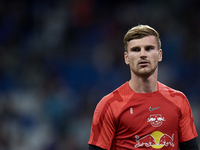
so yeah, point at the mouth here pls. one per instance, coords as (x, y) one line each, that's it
(143, 63)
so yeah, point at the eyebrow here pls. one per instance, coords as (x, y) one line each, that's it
(150, 46)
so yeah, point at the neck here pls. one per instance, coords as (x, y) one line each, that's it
(144, 84)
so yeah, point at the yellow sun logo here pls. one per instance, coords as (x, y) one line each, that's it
(157, 135)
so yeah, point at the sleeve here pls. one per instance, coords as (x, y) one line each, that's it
(103, 125)
(187, 130)
(189, 145)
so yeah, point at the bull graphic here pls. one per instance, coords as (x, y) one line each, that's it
(156, 120)
(147, 141)
(166, 140)
(150, 140)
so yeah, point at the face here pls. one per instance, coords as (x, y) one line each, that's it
(143, 56)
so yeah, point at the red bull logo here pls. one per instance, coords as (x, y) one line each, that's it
(156, 140)
(156, 120)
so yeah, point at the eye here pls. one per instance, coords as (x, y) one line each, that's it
(135, 49)
(148, 48)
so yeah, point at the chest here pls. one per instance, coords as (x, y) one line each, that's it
(147, 114)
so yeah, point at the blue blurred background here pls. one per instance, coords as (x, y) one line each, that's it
(58, 58)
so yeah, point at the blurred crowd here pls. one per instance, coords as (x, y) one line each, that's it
(58, 58)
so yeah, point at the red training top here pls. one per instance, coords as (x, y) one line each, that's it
(127, 120)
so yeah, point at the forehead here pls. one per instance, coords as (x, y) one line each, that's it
(145, 41)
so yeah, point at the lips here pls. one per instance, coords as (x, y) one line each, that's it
(143, 62)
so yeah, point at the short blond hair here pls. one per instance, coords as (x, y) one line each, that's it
(139, 32)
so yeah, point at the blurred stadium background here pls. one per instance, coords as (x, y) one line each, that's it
(59, 57)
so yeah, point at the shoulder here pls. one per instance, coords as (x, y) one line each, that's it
(115, 100)
(175, 96)
(118, 94)
(170, 92)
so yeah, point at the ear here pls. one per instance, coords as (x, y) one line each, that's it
(160, 55)
(126, 58)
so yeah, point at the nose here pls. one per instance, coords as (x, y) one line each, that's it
(143, 53)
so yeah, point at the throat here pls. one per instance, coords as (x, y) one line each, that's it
(143, 86)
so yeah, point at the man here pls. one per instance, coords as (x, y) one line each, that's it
(143, 113)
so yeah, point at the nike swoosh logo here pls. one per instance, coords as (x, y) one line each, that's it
(152, 109)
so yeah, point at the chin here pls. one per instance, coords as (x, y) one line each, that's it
(145, 73)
